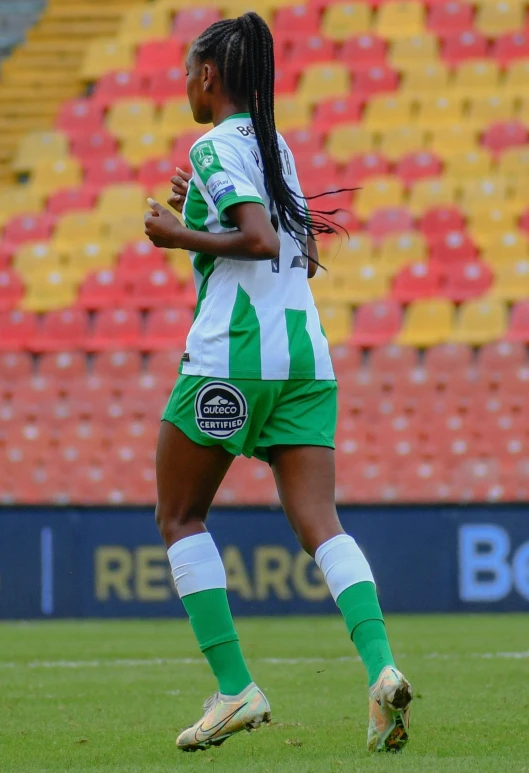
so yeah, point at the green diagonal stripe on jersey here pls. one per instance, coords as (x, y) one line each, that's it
(299, 345)
(205, 160)
(245, 337)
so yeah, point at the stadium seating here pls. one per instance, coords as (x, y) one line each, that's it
(420, 105)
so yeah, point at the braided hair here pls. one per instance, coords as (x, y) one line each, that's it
(243, 51)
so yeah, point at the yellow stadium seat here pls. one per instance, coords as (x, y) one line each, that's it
(49, 176)
(483, 111)
(384, 112)
(480, 322)
(511, 281)
(323, 81)
(453, 140)
(347, 140)
(377, 192)
(130, 117)
(469, 166)
(121, 199)
(144, 23)
(291, 113)
(397, 142)
(77, 227)
(477, 76)
(487, 225)
(322, 288)
(496, 18)
(180, 264)
(19, 199)
(508, 247)
(479, 195)
(514, 162)
(142, 147)
(361, 283)
(345, 20)
(516, 79)
(106, 55)
(522, 110)
(90, 256)
(414, 52)
(435, 112)
(176, 117)
(400, 250)
(426, 80)
(519, 194)
(427, 323)
(426, 194)
(50, 291)
(337, 320)
(400, 20)
(36, 146)
(127, 228)
(340, 252)
(36, 256)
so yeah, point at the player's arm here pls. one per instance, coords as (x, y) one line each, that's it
(314, 258)
(253, 239)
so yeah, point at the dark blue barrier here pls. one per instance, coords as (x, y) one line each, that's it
(76, 562)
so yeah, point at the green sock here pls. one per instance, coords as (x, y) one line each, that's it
(364, 620)
(211, 620)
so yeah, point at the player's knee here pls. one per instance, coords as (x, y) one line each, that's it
(175, 517)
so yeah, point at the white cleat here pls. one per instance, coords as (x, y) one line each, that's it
(389, 712)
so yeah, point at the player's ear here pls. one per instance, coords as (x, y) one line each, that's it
(207, 80)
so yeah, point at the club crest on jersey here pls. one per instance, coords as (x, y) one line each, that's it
(220, 410)
(204, 155)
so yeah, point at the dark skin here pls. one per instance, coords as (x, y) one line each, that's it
(188, 475)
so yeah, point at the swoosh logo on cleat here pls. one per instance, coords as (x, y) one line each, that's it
(214, 729)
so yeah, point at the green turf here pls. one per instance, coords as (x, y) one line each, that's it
(73, 699)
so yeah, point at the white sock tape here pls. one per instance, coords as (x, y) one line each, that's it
(196, 564)
(343, 564)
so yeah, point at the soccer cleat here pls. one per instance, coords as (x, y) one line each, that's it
(389, 712)
(224, 716)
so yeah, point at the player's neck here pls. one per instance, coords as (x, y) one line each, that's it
(226, 109)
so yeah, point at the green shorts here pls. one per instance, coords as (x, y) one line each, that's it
(247, 416)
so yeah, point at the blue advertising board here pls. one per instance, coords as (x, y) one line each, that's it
(105, 562)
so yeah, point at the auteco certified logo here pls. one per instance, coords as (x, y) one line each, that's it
(220, 410)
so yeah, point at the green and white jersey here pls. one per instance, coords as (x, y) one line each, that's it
(255, 319)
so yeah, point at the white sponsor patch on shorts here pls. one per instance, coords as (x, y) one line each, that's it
(220, 410)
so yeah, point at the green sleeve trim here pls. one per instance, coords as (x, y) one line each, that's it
(233, 198)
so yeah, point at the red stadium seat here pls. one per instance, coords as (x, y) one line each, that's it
(182, 146)
(94, 144)
(190, 23)
(363, 52)
(117, 366)
(335, 111)
(418, 166)
(375, 80)
(366, 165)
(6, 254)
(35, 395)
(304, 141)
(164, 364)
(80, 116)
(452, 247)
(15, 366)
(295, 22)
(508, 134)
(416, 281)
(448, 358)
(140, 256)
(152, 288)
(450, 17)
(63, 330)
(68, 199)
(467, 280)
(510, 47)
(377, 323)
(519, 325)
(285, 80)
(464, 45)
(317, 166)
(389, 220)
(168, 83)
(392, 359)
(310, 50)
(501, 355)
(166, 330)
(101, 290)
(345, 358)
(63, 365)
(18, 328)
(155, 171)
(118, 85)
(11, 290)
(28, 228)
(441, 220)
(157, 57)
(114, 330)
(107, 170)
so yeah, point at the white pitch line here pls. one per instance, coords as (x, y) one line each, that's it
(129, 662)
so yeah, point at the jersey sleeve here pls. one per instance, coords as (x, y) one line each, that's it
(222, 173)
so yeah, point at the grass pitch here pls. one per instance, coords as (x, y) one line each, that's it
(111, 696)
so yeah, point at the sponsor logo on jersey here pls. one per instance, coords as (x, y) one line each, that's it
(220, 410)
(204, 155)
(219, 185)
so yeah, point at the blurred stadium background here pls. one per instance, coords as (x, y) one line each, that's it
(423, 104)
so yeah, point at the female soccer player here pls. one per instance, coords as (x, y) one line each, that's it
(256, 379)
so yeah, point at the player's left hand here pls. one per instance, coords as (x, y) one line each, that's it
(162, 227)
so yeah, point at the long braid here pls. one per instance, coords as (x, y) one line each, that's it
(245, 47)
